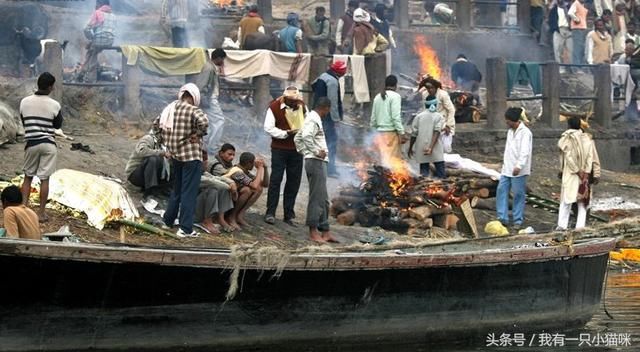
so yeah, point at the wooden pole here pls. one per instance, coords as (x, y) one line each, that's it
(262, 95)
(551, 93)
(524, 16)
(319, 64)
(401, 14)
(375, 63)
(52, 63)
(265, 11)
(131, 77)
(464, 16)
(337, 9)
(602, 82)
(496, 91)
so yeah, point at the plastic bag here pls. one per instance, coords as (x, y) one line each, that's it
(495, 228)
(447, 141)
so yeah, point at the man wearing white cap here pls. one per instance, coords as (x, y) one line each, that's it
(181, 126)
(284, 119)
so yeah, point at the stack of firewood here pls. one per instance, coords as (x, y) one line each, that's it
(418, 203)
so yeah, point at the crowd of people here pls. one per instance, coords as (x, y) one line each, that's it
(577, 42)
(183, 157)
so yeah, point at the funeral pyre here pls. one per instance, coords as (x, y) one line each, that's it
(225, 7)
(465, 102)
(396, 199)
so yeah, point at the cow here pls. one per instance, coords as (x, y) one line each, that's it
(32, 49)
(259, 40)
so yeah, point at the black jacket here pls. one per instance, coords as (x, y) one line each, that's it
(465, 71)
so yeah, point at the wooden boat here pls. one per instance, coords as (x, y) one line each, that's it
(64, 296)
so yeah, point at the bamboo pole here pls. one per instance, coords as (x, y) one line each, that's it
(146, 228)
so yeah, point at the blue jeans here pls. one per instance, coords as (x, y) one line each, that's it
(579, 37)
(440, 169)
(184, 195)
(517, 185)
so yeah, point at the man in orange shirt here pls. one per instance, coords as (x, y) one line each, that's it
(578, 14)
(249, 24)
(19, 221)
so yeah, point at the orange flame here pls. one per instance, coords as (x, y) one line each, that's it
(399, 168)
(221, 3)
(361, 169)
(429, 61)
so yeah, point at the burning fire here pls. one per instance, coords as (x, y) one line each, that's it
(361, 169)
(400, 171)
(222, 3)
(429, 61)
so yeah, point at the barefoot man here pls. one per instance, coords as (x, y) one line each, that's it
(311, 143)
(40, 116)
(249, 186)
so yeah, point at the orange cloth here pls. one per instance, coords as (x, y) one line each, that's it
(581, 13)
(21, 222)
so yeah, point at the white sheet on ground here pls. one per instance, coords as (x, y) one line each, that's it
(101, 199)
(455, 161)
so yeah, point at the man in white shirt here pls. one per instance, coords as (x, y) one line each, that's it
(344, 28)
(311, 143)
(516, 168)
(559, 23)
(599, 44)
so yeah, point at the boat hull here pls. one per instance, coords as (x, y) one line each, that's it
(77, 305)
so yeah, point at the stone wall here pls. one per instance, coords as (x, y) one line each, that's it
(614, 148)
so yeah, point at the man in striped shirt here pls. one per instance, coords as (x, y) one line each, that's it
(40, 116)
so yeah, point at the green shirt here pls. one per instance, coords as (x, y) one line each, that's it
(386, 114)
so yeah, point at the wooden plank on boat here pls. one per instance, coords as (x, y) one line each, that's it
(463, 254)
(467, 223)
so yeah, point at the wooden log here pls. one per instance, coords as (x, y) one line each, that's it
(348, 217)
(442, 195)
(417, 200)
(418, 224)
(352, 192)
(483, 183)
(481, 193)
(338, 207)
(352, 199)
(485, 204)
(424, 212)
(464, 174)
(445, 221)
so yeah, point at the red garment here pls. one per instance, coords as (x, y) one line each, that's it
(281, 123)
(97, 18)
(584, 190)
(363, 34)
